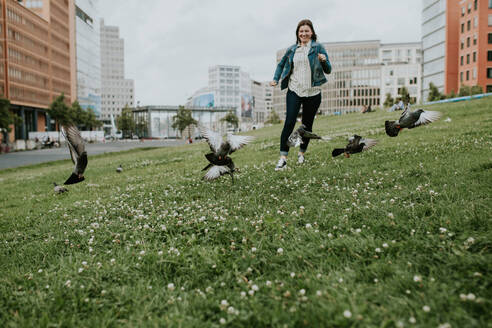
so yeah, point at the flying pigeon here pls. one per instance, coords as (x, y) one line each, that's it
(356, 145)
(295, 139)
(219, 161)
(119, 169)
(410, 120)
(77, 152)
(59, 189)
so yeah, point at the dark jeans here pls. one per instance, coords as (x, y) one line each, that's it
(310, 106)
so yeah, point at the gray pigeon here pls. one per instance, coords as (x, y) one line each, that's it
(295, 139)
(219, 161)
(410, 120)
(59, 189)
(77, 151)
(356, 145)
(119, 169)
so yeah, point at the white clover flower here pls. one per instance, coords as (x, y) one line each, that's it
(385, 245)
(40, 270)
(255, 288)
(268, 283)
(292, 274)
(319, 293)
(253, 249)
(251, 292)
(302, 292)
(142, 252)
(80, 270)
(224, 303)
(442, 230)
(412, 320)
(159, 253)
(68, 283)
(112, 261)
(171, 286)
(391, 215)
(103, 292)
(426, 308)
(308, 226)
(347, 314)
(417, 278)
(231, 310)
(470, 297)
(222, 321)
(378, 250)
(444, 325)
(243, 294)
(280, 250)
(340, 280)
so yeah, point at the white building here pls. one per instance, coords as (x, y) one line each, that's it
(433, 45)
(117, 92)
(88, 54)
(402, 67)
(262, 101)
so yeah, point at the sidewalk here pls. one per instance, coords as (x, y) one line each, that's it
(23, 158)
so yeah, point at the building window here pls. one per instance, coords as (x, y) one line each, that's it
(467, 75)
(468, 42)
(474, 73)
(461, 76)
(462, 11)
(475, 39)
(462, 27)
(468, 58)
(489, 72)
(463, 44)
(468, 25)
(490, 20)
(489, 88)
(475, 56)
(490, 4)
(461, 61)
(475, 21)
(469, 7)
(476, 4)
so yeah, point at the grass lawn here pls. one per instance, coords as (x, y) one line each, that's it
(398, 236)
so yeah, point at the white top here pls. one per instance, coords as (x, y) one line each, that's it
(300, 79)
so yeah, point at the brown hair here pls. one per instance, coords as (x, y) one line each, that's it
(307, 22)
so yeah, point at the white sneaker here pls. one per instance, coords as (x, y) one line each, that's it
(281, 165)
(300, 159)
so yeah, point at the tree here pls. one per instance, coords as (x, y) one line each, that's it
(126, 122)
(7, 118)
(476, 89)
(451, 95)
(231, 118)
(389, 101)
(273, 118)
(405, 96)
(59, 111)
(434, 93)
(183, 120)
(465, 90)
(91, 121)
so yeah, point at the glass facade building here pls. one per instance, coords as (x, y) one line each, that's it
(88, 54)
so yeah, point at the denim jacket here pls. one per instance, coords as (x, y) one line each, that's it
(318, 68)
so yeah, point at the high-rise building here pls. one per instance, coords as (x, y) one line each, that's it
(117, 92)
(88, 54)
(439, 46)
(262, 100)
(475, 44)
(36, 54)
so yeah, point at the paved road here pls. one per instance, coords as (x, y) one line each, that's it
(22, 158)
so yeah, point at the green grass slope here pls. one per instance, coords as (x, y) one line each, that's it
(398, 236)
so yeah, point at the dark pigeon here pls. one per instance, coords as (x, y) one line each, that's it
(356, 145)
(77, 152)
(410, 120)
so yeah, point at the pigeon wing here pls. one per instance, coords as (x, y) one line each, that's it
(427, 117)
(368, 143)
(215, 172)
(74, 139)
(213, 138)
(237, 142)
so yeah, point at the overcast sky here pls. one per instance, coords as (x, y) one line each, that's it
(169, 45)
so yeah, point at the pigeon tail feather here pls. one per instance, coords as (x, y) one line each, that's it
(337, 151)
